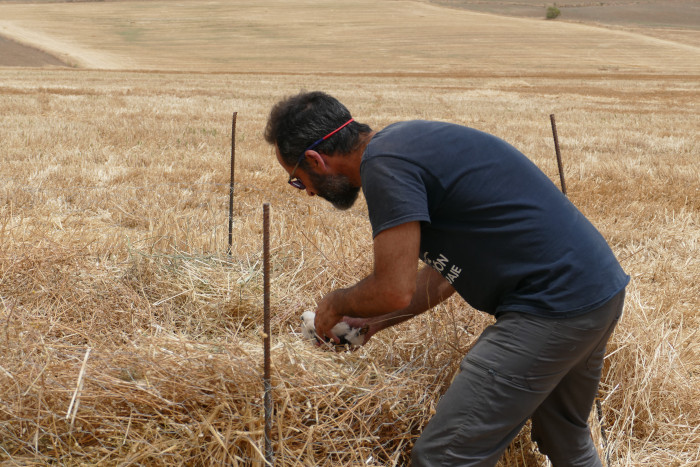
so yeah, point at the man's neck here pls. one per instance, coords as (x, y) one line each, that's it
(354, 159)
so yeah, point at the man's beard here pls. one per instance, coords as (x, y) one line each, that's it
(336, 189)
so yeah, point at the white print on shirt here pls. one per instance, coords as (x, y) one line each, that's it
(441, 265)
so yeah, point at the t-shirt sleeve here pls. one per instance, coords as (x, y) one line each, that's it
(395, 192)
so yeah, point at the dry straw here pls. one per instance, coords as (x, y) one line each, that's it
(121, 307)
(159, 397)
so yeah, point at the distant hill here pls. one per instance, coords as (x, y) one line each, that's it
(277, 36)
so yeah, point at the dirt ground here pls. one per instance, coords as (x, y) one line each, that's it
(15, 54)
(674, 20)
(640, 13)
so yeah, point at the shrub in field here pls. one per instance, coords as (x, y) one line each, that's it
(553, 12)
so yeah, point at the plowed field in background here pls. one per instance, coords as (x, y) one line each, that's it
(13, 53)
(676, 20)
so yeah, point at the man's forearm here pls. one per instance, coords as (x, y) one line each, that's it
(431, 289)
(370, 298)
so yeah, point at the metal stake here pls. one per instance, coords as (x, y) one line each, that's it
(556, 148)
(230, 191)
(269, 454)
(599, 409)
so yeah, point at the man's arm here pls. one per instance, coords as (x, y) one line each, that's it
(389, 288)
(431, 289)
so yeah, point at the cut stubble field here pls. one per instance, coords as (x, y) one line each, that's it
(113, 239)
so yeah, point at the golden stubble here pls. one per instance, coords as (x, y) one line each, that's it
(113, 237)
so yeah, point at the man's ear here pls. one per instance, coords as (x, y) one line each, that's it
(316, 160)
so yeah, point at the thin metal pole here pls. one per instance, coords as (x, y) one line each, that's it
(599, 409)
(230, 191)
(269, 454)
(556, 148)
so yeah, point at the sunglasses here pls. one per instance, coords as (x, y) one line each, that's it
(295, 181)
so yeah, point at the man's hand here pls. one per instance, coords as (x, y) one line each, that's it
(373, 326)
(328, 315)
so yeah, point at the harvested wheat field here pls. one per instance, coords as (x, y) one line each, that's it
(130, 336)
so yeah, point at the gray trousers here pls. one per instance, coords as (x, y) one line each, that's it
(523, 367)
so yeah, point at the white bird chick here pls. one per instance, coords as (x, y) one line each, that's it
(347, 335)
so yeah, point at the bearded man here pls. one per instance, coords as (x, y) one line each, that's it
(489, 225)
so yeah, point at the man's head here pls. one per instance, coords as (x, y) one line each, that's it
(315, 120)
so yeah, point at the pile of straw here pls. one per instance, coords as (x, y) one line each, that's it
(89, 376)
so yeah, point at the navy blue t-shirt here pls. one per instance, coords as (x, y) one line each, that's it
(491, 222)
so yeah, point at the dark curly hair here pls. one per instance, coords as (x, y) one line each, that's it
(298, 121)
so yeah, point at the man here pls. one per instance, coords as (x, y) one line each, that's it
(490, 226)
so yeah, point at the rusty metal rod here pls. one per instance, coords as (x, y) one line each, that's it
(556, 148)
(599, 409)
(230, 191)
(269, 454)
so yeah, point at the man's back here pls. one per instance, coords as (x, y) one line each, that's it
(491, 222)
